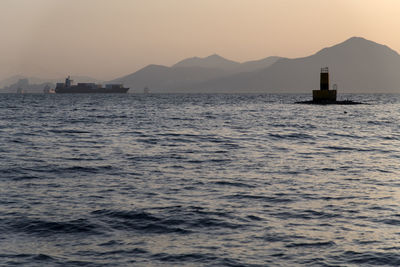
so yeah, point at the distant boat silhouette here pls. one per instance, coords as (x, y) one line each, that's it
(48, 90)
(88, 88)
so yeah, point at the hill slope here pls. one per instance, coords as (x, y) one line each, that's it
(213, 61)
(356, 65)
(186, 73)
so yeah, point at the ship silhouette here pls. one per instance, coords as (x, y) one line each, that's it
(88, 88)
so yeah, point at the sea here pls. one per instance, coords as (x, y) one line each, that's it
(198, 180)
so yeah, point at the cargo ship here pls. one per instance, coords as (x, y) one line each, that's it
(88, 88)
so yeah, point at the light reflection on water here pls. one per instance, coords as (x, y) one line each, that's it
(198, 180)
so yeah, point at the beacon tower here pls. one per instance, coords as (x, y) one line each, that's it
(324, 95)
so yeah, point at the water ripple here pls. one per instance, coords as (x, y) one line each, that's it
(198, 180)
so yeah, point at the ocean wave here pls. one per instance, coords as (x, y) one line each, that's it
(310, 244)
(235, 184)
(369, 258)
(47, 228)
(184, 258)
(140, 221)
(272, 199)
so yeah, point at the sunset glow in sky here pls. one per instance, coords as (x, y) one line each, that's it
(107, 39)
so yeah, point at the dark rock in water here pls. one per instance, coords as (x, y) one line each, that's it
(340, 102)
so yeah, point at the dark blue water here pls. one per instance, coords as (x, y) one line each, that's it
(198, 180)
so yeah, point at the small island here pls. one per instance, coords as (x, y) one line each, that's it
(325, 96)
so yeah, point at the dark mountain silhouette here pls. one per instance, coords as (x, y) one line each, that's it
(257, 64)
(166, 79)
(229, 66)
(188, 72)
(356, 65)
(213, 61)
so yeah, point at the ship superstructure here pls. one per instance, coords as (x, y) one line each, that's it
(88, 88)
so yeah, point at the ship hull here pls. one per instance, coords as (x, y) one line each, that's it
(77, 90)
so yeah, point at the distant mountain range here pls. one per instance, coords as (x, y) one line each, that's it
(188, 73)
(357, 66)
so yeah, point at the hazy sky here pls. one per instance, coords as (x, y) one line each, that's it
(106, 39)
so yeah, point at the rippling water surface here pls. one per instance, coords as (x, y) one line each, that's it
(198, 180)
